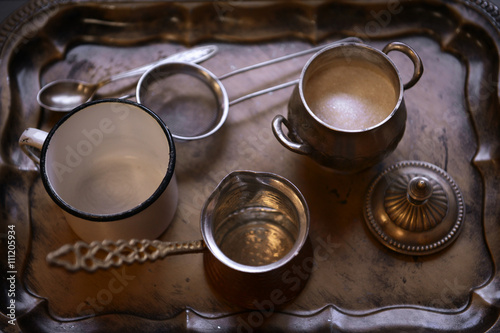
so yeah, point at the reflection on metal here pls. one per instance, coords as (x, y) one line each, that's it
(108, 253)
(416, 203)
(414, 208)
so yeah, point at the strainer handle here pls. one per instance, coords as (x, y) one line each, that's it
(105, 254)
(277, 60)
(263, 91)
(289, 56)
(418, 67)
(300, 148)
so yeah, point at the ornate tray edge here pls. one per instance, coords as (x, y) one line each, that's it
(26, 12)
(481, 298)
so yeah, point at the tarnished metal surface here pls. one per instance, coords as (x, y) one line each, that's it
(107, 253)
(343, 141)
(414, 208)
(356, 283)
(256, 227)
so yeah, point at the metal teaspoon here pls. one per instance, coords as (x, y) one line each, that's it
(64, 95)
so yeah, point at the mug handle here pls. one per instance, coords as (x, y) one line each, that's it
(278, 123)
(418, 67)
(32, 138)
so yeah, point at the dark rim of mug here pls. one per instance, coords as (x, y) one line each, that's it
(340, 45)
(117, 216)
(208, 233)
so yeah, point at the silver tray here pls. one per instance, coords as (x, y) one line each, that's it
(356, 284)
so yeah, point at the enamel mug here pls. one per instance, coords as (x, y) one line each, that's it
(109, 165)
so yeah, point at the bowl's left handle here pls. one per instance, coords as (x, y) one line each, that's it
(297, 147)
(32, 139)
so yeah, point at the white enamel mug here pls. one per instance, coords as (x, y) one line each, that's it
(109, 165)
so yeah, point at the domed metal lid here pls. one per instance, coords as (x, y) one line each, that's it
(414, 208)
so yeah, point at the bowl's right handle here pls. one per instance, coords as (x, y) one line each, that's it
(418, 67)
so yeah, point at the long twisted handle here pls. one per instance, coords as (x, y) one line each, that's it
(107, 253)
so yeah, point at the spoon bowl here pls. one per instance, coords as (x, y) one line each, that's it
(65, 95)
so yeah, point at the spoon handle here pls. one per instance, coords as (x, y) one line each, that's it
(195, 55)
(107, 253)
